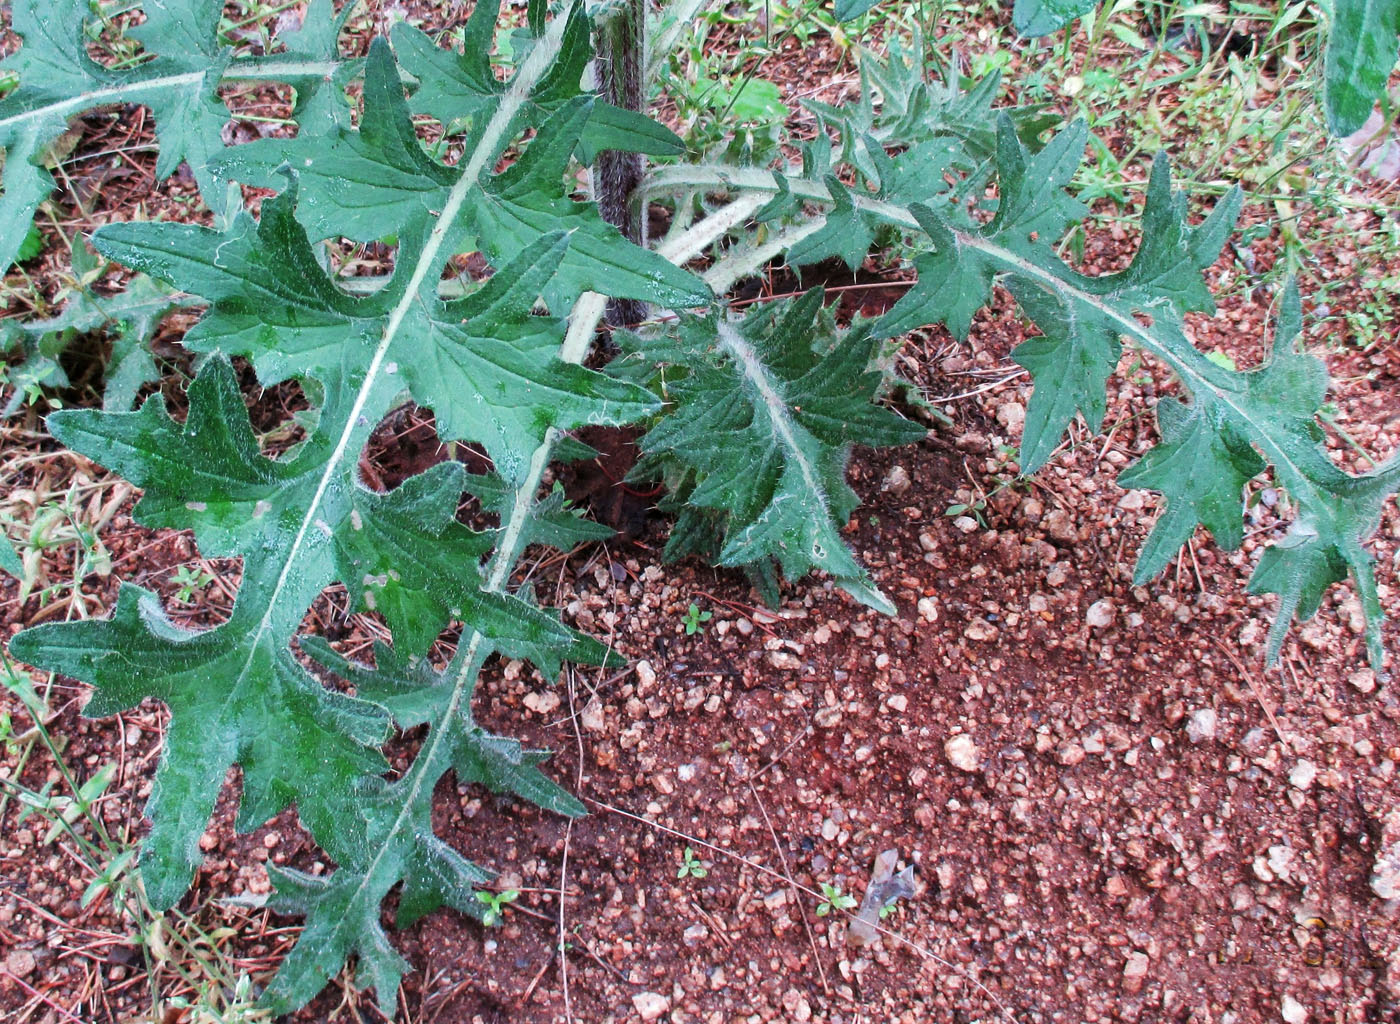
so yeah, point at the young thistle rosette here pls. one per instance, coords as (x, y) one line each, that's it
(490, 367)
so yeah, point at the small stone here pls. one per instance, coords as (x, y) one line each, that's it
(979, 629)
(1281, 862)
(1261, 870)
(775, 900)
(1093, 742)
(1364, 680)
(1385, 876)
(784, 661)
(1134, 971)
(965, 524)
(1012, 416)
(1293, 1011)
(962, 753)
(693, 935)
(592, 718)
(1201, 725)
(21, 963)
(928, 609)
(650, 1005)
(1069, 754)
(744, 626)
(897, 480)
(829, 829)
(646, 675)
(898, 703)
(685, 772)
(796, 1005)
(1060, 526)
(1100, 614)
(1302, 775)
(1132, 501)
(928, 541)
(542, 703)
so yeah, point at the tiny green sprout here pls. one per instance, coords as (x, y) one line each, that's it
(190, 582)
(691, 867)
(886, 910)
(695, 619)
(833, 898)
(495, 904)
(7, 736)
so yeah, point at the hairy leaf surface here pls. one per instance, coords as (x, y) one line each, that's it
(758, 437)
(1361, 51)
(1235, 424)
(491, 369)
(178, 82)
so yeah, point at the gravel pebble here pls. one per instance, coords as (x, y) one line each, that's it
(650, 1005)
(1385, 877)
(897, 480)
(20, 963)
(1100, 614)
(1201, 725)
(1293, 1011)
(1060, 526)
(1069, 754)
(1302, 775)
(962, 753)
(1134, 971)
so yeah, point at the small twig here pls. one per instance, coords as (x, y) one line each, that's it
(1254, 688)
(796, 896)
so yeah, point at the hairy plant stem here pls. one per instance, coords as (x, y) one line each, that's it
(245, 69)
(434, 757)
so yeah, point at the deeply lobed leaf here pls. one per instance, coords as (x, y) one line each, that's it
(179, 82)
(757, 437)
(490, 366)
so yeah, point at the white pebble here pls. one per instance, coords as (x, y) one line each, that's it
(1303, 774)
(1201, 725)
(962, 753)
(650, 1005)
(1293, 1011)
(1100, 614)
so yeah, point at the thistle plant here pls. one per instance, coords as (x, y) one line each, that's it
(748, 423)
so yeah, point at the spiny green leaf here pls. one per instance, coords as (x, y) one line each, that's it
(9, 558)
(552, 522)
(493, 372)
(130, 318)
(1361, 52)
(846, 10)
(1201, 468)
(1033, 211)
(139, 653)
(179, 83)
(458, 89)
(1041, 17)
(368, 183)
(1208, 450)
(761, 430)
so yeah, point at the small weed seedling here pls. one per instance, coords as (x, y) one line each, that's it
(496, 904)
(695, 619)
(833, 899)
(691, 866)
(190, 581)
